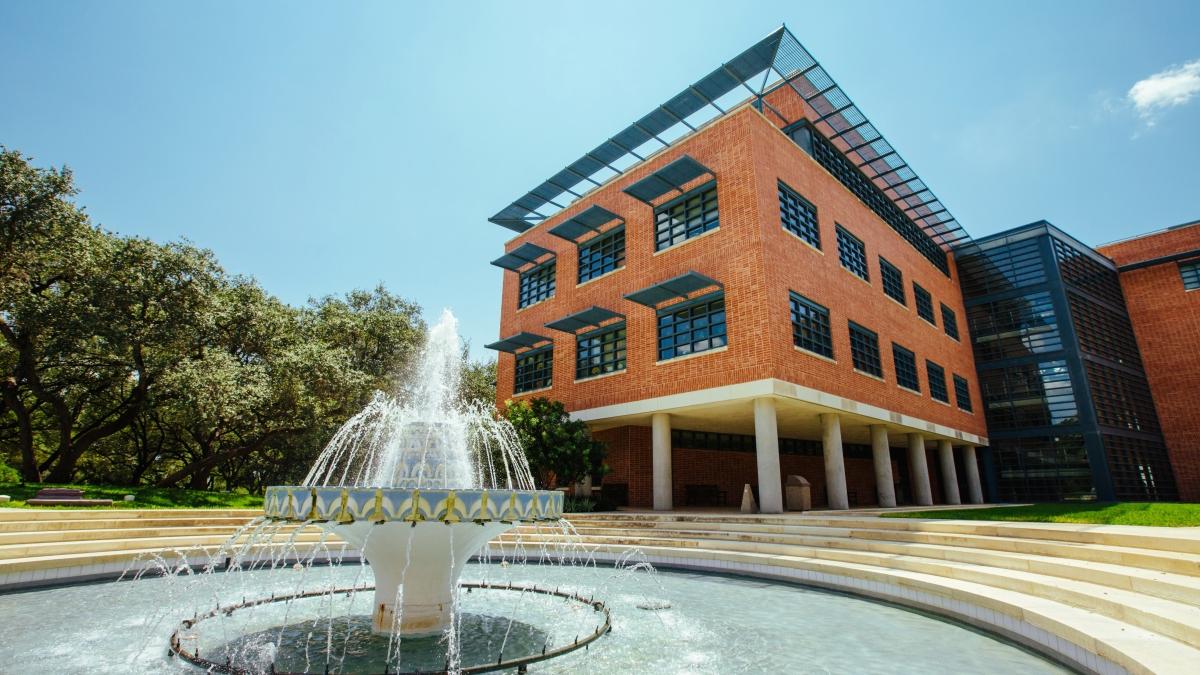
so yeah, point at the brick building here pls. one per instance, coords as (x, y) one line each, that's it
(1160, 277)
(750, 283)
(748, 301)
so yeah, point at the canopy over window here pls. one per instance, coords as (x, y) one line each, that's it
(671, 177)
(588, 220)
(521, 256)
(679, 287)
(592, 316)
(519, 341)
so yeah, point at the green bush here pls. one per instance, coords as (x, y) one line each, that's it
(8, 474)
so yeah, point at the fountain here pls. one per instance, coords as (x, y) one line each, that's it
(419, 484)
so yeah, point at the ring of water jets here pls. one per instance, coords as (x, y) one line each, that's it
(520, 663)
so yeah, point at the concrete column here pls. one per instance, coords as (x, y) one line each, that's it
(971, 467)
(835, 464)
(766, 443)
(660, 448)
(919, 469)
(949, 475)
(882, 454)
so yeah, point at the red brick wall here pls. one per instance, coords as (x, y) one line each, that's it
(758, 262)
(1166, 320)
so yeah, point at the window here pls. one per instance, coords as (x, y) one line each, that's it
(864, 350)
(962, 393)
(893, 281)
(949, 322)
(600, 351)
(799, 216)
(534, 370)
(691, 328)
(937, 381)
(688, 216)
(924, 303)
(906, 368)
(852, 253)
(1190, 271)
(810, 326)
(537, 284)
(602, 254)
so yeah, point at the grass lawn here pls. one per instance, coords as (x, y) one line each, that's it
(1120, 513)
(144, 497)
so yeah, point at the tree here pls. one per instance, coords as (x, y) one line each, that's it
(560, 450)
(478, 380)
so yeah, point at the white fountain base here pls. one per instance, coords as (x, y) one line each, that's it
(416, 568)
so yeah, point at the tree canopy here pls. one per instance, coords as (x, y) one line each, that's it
(128, 361)
(560, 450)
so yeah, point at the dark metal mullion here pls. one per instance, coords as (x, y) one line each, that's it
(651, 135)
(597, 159)
(863, 123)
(876, 159)
(614, 142)
(917, 206)
(564, 189)
(677, 118)
(709, 100)
(842, 109)
(587, 178)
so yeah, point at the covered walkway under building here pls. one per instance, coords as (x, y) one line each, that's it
(700, 448)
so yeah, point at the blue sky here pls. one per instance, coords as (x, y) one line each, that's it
(322, 147)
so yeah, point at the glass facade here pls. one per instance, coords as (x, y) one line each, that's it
(600, 351)
(962, 393)
(937, 381)
(1190, 271)
(601, 255)
(688, 216)
(1068, 409)
(852, 253)
(893, 280)
(924, 303)
(949, 321)
(693, 327)
(906, 367)
(537, 284)
(864, 350)
(798, 215)
(810, 326)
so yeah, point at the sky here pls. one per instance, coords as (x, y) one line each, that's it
(323, 147)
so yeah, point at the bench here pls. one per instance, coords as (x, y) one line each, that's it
(704, 495)
(64, 497)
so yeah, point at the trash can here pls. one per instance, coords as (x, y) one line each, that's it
(798, 493)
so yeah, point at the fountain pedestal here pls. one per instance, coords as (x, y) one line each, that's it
(416, 568)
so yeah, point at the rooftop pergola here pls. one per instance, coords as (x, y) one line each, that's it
(775, 62)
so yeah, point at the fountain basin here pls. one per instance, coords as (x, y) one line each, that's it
(417, 541)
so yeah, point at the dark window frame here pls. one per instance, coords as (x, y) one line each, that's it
(962, 393)
(864, 350)
(799, 216)
(537, 284)
(534, 370)
(709, 304)
(893, 281)
(949, 322)
(936, 375)
(814, 334)
(852, 253)
(904, 361)
(1189, 271)
(923, 299)
(610, 257)
(661, 242)
(606, 351)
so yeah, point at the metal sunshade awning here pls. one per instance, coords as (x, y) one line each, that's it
(671, 177)
(521, 256)
(588, 220)
(521, 340)
(592, 316)
(679, 287)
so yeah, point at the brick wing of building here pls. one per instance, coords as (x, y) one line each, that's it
(749, 283)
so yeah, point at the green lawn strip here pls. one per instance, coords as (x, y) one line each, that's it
(1122, 513)
(144, 497)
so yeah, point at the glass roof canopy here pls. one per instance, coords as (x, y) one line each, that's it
(776, 61)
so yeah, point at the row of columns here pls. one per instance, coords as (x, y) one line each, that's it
(766, 436)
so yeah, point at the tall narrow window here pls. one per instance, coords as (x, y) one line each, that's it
(537, 284)
(949, 322)
(906, 368)
(799, 216)
(962, 393)
(937, 381)
(852, 253)
(688, 216)
(600, 351)
(924, 303)
(893, 280)
(534, 370)
(691, 328)
(864, 350)
(602, 254)
(1190, 271)
(810, 326)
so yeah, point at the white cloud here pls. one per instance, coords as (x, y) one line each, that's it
(1174, 86)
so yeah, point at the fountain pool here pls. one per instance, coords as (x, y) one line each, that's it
(715, 624)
